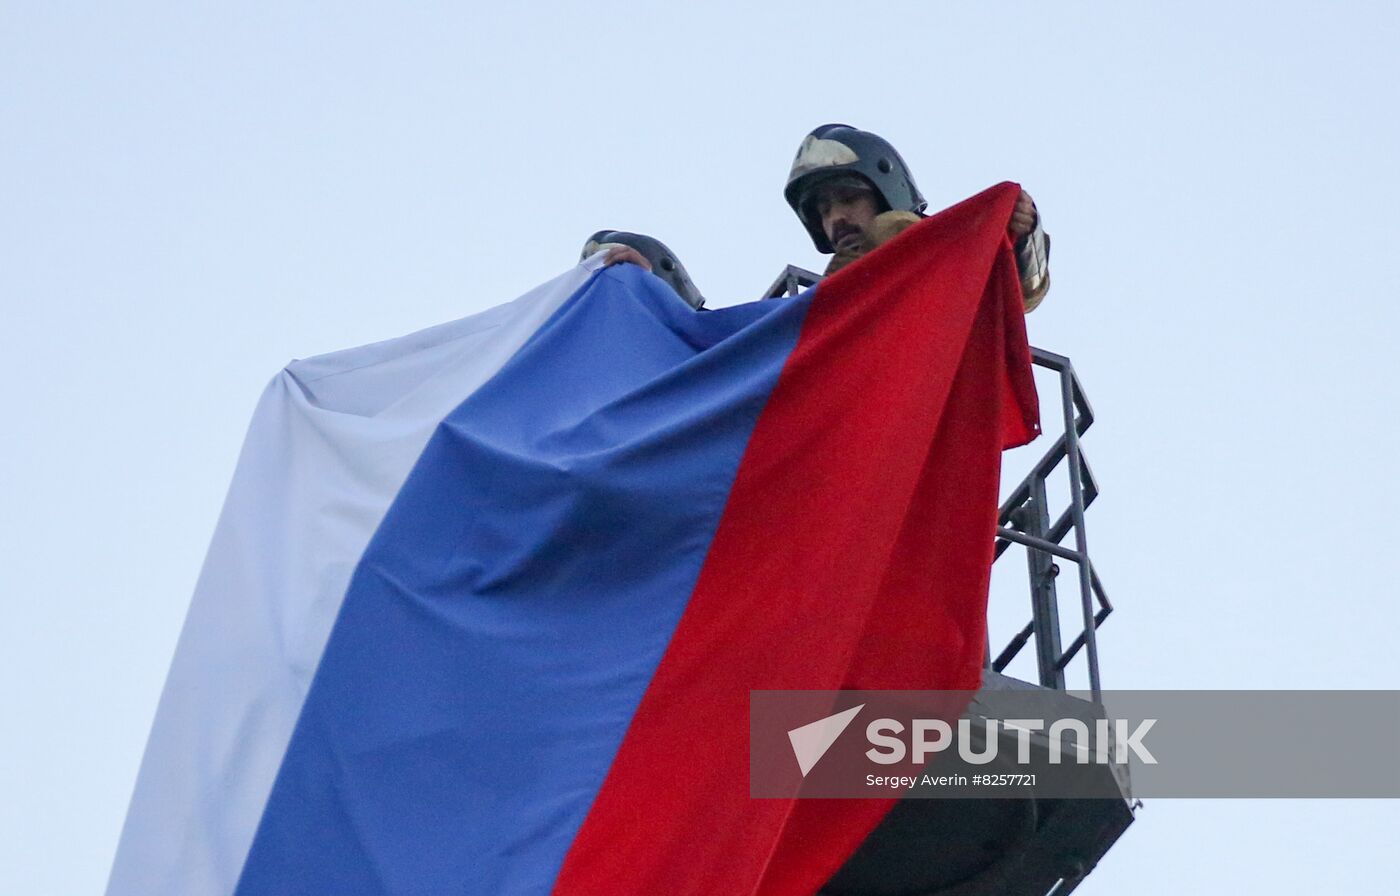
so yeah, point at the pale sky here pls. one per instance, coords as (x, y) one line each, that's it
(194, 194)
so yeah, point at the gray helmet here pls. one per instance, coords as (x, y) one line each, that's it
(838, 149)
(664, 262)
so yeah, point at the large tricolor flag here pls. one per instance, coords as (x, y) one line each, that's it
(485, 603)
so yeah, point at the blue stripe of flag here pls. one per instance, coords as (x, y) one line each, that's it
(508, 614)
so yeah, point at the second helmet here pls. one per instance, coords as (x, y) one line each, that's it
(664, 262)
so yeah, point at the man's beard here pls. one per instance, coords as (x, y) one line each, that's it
(849, 235)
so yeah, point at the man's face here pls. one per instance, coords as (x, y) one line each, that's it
(846, 210)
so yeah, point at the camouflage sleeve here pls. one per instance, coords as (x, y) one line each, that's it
(1033, 261)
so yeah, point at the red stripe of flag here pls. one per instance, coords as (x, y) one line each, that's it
(854, 552)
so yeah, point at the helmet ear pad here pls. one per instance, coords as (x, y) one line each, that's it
(837, 149)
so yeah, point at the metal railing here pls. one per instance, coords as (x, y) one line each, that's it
(1024, 519)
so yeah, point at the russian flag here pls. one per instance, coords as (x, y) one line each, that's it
(485, 603)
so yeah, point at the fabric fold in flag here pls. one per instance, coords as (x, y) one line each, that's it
(485, 604)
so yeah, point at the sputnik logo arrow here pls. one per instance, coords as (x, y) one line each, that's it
(811, 741)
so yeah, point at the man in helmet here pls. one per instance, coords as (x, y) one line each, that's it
(647, 253)
(852, 192)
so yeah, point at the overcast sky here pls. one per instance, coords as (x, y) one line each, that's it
(193, 194)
